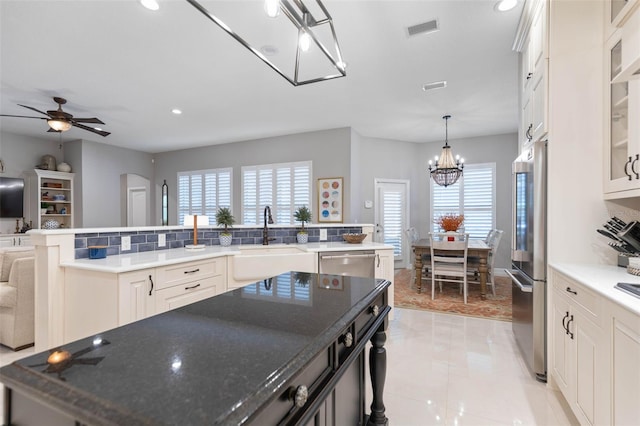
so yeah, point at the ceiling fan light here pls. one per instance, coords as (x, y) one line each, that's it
(506, 5)
(59, 125)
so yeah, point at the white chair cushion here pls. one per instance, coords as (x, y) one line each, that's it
(8, 295)
(8, 256)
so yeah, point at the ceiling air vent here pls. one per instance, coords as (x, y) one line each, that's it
(434, 85)
(424, 28)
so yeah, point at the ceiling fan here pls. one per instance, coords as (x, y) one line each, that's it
(60, 121)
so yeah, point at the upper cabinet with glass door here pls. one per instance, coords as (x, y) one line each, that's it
(622, 101)
(616, 13)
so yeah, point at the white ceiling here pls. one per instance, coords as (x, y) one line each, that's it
(129, 67)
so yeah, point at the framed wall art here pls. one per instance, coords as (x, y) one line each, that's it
(330, 200)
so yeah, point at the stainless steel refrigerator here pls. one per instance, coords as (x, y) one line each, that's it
(529, 257)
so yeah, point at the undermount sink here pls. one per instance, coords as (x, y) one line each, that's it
(632, 289)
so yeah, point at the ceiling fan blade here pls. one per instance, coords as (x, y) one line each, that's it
(33, 109)
(91, 129)
(23, 116)
(93, 120)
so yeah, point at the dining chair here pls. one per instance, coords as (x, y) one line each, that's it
(493, 241)
(449, 260)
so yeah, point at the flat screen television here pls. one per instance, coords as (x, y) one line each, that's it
(11, 197)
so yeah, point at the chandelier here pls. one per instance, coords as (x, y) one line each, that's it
(446, 170)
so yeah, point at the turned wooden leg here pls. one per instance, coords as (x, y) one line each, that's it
(378, 371)
(418, 258)
(483, 278)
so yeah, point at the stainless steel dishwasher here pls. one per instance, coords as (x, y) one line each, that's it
(355, 263)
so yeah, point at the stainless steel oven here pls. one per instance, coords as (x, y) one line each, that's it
(356, 263)
(529, 257)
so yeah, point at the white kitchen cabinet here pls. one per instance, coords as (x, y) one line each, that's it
(580, 357)
(96, 301)
(50, 199)
(534, 65)
(15, 240)
(181, 284)
(617, 12)
(136, 295)
(625, 353)
(384, 269)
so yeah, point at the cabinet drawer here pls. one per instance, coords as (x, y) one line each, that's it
(369, 315)
(172, 275)
(579, 295)
(282, 410)
(187, 293)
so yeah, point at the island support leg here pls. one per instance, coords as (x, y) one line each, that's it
(378, 371)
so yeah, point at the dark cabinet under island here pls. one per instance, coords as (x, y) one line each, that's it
(287, 350)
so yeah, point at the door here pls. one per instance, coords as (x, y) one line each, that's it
(137, 207)
(392, 216)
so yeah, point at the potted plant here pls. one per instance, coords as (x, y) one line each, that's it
(450, 222)
(302, 214)
(225, 218)
(43, 208)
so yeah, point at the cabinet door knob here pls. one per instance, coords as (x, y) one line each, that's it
(375, 310)
(347, 339)
(299, 395)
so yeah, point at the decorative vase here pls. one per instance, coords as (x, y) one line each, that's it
(451, 237)
(225, 240)
(302, 237)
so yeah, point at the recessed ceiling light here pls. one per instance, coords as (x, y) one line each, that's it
(150, 4)
(505, 5)
(176, 111)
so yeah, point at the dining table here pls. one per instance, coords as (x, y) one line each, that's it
(476, 248)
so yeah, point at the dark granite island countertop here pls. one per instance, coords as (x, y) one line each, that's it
(222, 360)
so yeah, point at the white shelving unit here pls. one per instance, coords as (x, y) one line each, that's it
(50, 199)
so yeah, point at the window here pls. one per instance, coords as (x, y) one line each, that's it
(284, 187)
(473, 195)
(203, 192)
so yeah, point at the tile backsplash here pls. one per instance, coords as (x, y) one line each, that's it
(179, 237)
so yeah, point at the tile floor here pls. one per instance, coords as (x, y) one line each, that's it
(452, 370)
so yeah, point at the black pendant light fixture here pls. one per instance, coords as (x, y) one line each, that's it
(446, 170)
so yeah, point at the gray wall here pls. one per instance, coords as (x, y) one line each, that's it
(20, 154)
(328, 149)
(99, 186)
(381, 158)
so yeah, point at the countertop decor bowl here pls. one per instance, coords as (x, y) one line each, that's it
(354, 238)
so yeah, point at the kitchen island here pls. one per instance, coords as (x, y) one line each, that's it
(249, 356)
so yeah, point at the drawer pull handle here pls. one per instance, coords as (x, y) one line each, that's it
(192, 272)
(151, 290)
(299, 395)
(571, 291)
(375, 310)
(565, 325)
(193, 286)
(347, 339)
(529, 76)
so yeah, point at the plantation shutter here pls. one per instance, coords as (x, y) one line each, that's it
(392, 204)
(473, 195)
(479, 200)
(284, 187)
(203, 192)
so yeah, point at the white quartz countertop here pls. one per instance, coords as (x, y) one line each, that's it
(602, 279)
(151, 259)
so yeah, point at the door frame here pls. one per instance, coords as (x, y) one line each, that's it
(406, 249)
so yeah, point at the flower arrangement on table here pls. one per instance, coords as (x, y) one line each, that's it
(450, 222)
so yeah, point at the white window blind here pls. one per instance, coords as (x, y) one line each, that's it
(203, 192)
(474, 196)
(284, 187)
(392, 223)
